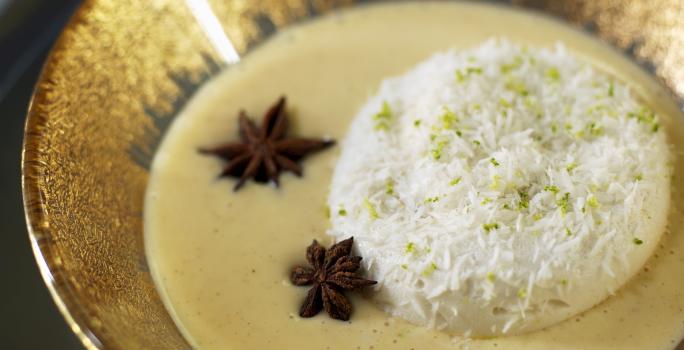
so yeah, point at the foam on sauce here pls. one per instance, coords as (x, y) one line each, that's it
(221, 260)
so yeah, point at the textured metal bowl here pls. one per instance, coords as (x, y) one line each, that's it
(113, 83)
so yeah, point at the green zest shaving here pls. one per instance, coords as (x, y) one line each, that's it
(383, 118)
(494, 162)
(341, 211)
(517, 87)
(490, 276)
(389, 187)
(611, 89)
(455, 181)
(430, 269)
(463, 74)
(638, 241)
(504, 103)
(371, 209)
(490, 226)
(495, 182)
(448, 118)
(563, 203)
(522, 293)
(434, 199)
(594, 129)
(553, 74)
(552, 188)
(410, 247)
(509, 67)
(417, 122)
(645, 116)
(524, 201)
(593, 202)
(437, 151)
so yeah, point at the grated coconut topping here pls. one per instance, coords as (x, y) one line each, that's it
(501, 189)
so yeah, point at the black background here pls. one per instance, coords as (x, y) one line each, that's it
(29, 318)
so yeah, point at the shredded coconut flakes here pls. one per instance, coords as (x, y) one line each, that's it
(501, 189)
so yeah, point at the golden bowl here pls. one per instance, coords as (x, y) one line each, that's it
(114, 81)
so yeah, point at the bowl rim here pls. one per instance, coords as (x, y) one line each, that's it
(37, 220)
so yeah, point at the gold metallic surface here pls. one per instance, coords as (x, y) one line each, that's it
(114, 81)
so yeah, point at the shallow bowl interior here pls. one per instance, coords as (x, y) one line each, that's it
(115, 80)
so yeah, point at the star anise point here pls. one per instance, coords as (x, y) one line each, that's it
(264, 152)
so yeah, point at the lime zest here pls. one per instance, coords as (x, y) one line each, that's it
(494, 161)
(517, 87)
(490, 226)
(371, 209)
(448, 118)
(496, 179)
(430, 269)
(437, 151)
(611, 89)
(553, 74)
(383, 117)
(551, 188)
(509, 67)
(491, 277)
(593, 202)
(524, 199)
(563, 203)
(504, 103)
(522, 293)
(463, 74)
(645, 116)
(434, 199)
(389, 187)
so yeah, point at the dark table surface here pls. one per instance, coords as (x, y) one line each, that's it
(29, 318)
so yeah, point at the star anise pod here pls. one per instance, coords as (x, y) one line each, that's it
(330, 274)
(264, 152)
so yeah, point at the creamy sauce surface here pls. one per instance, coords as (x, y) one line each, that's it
(221, 260)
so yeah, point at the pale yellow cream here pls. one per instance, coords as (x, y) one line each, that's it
(221, 260)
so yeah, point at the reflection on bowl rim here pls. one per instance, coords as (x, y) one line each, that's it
(36, 218)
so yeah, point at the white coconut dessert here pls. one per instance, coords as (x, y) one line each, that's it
(501, 189)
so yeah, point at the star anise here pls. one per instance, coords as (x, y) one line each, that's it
(264, 152)
(331, 272)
